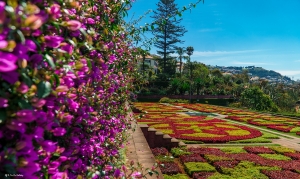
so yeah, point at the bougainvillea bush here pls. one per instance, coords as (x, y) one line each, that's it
(66, 68)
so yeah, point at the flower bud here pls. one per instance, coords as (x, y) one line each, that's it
(62, 89)
(33, 22)
(73, 25)
(22, 63)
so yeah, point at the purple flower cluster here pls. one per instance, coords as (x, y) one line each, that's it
(66, 70)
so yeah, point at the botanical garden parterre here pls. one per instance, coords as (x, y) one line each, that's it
(221, 161)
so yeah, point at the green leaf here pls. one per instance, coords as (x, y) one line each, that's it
(89, 64)
(21, 35)
(3, 115)
(50, 61)
(44, 89)
(26, 79)
(24, 104)
(56, 78)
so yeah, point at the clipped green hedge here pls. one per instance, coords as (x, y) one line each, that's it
(164, 158)
(275, 156)
(244, 170)
(215, 158)
(233, 150)
(176, 152)
(281, 149)
(254, 140)
(177, 176)
(267, 135)
(192, 167)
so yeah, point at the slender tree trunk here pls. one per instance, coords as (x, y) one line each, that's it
(144, 64)
(180, 65)
(165, 48)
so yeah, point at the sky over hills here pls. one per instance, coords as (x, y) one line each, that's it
(239, 33)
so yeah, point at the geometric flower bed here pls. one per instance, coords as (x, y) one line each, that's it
(198, 128)
(257, 162)
(282, 124)
(156, 108)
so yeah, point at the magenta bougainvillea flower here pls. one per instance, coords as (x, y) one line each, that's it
(53, 41)
(65, 75)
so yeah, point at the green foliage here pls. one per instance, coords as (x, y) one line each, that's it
(177, 176)
(164, 158)
(281, 149)
(215, 158)
(295, 129)
(176, 152)
(192, 167)
(267, 135)
(244, 169)
(233, 150)
(168, 100)
(254, 98)
(254, 140)
(275, 156)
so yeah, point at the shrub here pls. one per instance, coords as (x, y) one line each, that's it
(278, 174)
(169, 168)
(176, 152)
(215, 158)
(177, 176)
(225, 164)
(202, 175)
(281, 149)
(164, 158)
(233, 150)
(258, 150)
(192, 167)
(159, 151)
(164, 100)
(269, 136)
(275, 156)
(191, 158)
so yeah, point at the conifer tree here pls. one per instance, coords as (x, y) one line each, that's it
(168, 31)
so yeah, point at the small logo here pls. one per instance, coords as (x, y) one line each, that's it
(13, 175)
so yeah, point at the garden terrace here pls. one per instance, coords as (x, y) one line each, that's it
(234, 162)
(198, 128)
(277, 123)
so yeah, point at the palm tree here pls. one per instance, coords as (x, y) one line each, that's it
(180, 51)
(190, 51)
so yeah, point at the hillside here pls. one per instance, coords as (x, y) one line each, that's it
(253, 71)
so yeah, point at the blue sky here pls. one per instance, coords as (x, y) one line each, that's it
(239, 32)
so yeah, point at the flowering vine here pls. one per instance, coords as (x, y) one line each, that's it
(66, 70)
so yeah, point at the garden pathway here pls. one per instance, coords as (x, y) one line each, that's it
(284, 139)
(138, 151)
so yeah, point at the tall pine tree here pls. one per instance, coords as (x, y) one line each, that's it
(167, 32)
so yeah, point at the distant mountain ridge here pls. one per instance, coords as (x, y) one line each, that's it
(253, 71)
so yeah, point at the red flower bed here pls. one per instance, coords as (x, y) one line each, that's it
(226, 164)
(282, 128)
(191, 158)
(202, 175)
(259, 150)
(203, 151)
(295, 156)
(159, 151)
(246, 157)
(169, 168)
(281, 174)
(298, 133)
